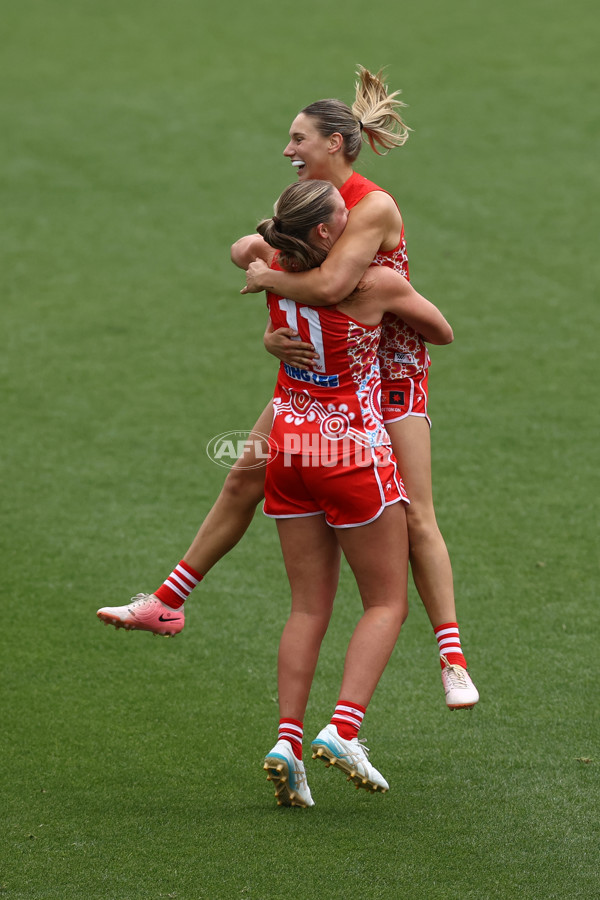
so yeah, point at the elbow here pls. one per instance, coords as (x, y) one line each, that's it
(236, 254)
(241, 251)
(330, 294)
(442, 336)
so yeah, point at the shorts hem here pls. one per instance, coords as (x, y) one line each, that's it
(317, 512)
(405, 416)
(374, 518)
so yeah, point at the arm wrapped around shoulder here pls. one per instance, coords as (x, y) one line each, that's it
(395, 294)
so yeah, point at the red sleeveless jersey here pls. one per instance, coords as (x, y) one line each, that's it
(339, 398)
(402, 351)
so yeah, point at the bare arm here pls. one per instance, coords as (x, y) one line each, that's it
(282, 343)
(249, 248)
(373, 224)
(384, 290)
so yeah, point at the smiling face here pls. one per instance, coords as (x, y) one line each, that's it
(311, 154)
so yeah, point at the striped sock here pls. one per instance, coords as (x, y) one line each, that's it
(347, 718)
(448, 638)
(292, 730)
(178, 586)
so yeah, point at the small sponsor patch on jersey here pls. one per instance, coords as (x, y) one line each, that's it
(396, 398)
(402, 356)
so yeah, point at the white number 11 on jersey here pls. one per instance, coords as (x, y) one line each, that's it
(314, 328)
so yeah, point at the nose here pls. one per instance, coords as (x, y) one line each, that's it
(288, 150)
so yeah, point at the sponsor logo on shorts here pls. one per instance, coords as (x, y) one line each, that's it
(396, 398)
(311, 377)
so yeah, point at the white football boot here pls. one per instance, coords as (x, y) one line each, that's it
(288, 776)
(460, 691)
(349, 756)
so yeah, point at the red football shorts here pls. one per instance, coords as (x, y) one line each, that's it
(349, 494)
(405, 397)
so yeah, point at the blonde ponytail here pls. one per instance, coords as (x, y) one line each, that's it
(377, 112)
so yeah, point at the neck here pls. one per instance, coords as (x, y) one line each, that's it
(341, 175)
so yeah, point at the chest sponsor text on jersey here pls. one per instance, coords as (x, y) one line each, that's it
(311, 377)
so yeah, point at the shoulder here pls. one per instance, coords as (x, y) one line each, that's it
(381, 280)
(375, 204)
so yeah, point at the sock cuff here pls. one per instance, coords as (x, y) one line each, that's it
(191, 572)
(179, 585)
(450, 626)
(350, 705)
(295, 722)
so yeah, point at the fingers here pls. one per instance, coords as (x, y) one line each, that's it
(301, 358)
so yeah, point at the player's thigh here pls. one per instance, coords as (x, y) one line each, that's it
(411, 443)
(378, 555)
(311, 555)
(245, 481)
(255, 453)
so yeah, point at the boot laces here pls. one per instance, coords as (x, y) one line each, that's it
(456, 674)
(139, 600)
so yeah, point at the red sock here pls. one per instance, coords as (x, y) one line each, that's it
(178, 586)
(448, 638)
(347, 718)
(292, 730)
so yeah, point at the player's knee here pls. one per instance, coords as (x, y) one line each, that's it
(402, 613)
(395, 618)
(245, 485)
(393, 613)
(421, 523)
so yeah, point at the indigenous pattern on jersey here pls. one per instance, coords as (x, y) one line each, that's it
(339, 400)
(330, 452)
(402, 351)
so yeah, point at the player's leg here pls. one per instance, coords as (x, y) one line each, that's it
(227, 521)
(429, 558)
(312, 560)
(378, 556)
(312, 557)
(234, 508)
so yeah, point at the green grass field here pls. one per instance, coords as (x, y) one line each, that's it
(138, 141)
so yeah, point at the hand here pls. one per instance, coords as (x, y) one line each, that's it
(282, 344)
(255, 275)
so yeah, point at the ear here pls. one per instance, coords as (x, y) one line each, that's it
(336, 142)
(322, 231)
